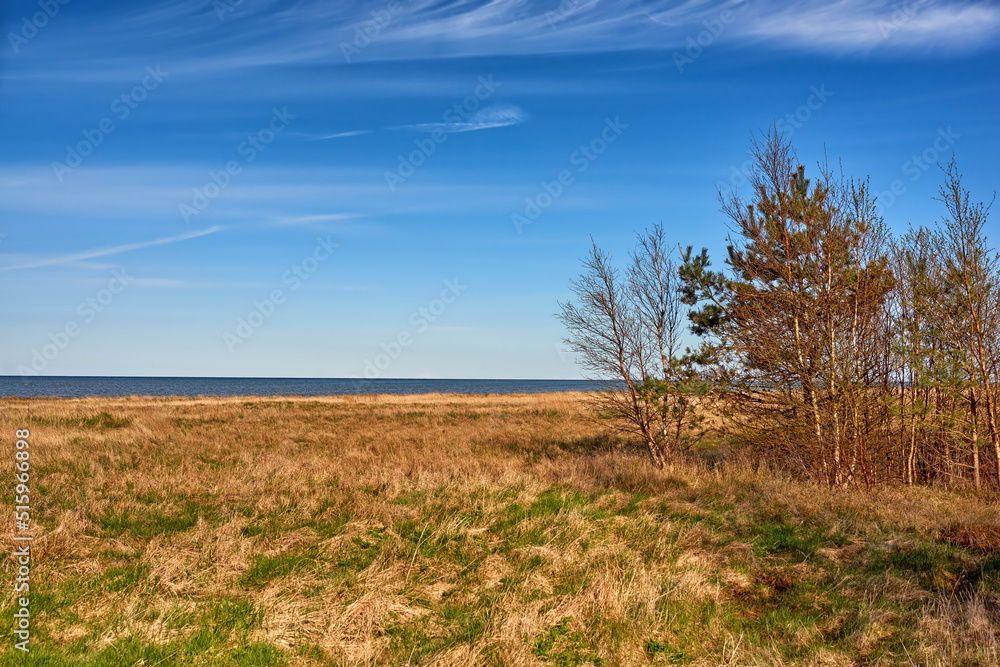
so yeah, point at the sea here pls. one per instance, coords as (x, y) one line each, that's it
(31, 386)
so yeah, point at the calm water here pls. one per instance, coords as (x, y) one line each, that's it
(29, 386)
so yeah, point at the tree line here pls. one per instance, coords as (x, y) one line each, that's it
(826, 345)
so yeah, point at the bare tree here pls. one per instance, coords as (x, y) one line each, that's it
(626, 329)
(970, 304)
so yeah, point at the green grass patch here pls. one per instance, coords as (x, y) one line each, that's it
(268, 568)
(562, 647)
(662, 651)
(146, 522)
(772, 537)
(99, 421)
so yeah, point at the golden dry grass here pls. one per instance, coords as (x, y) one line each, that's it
(468, 530)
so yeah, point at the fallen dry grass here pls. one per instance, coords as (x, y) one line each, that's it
(469, 530)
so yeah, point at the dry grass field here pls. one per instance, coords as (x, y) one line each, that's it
(467, 530)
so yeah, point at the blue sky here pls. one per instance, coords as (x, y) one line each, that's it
(352, 172)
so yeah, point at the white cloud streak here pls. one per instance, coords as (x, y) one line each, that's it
(114, 250)
(859, 26)
(484, 119)
(310, 219)
(339, 135)
(313, 31)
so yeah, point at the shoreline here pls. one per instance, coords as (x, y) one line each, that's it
(36, 387)
(299, 398)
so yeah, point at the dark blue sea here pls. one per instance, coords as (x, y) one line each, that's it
(78, 386)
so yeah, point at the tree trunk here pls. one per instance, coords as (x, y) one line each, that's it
(994, 439)
(912, 455)
(975, 441)
(810, 390)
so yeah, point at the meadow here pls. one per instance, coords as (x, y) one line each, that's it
(468, 530)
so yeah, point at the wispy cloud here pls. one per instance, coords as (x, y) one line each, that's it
(484, 119)
(338, 135)
(313, 219)
(114, 250)
(859, 26)
(269, 194)
(312, 31)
